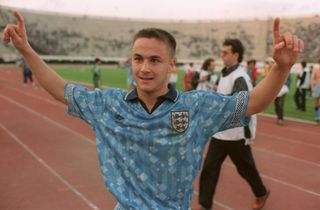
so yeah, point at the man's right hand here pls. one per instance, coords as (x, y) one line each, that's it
(16, 34)
(46, 76)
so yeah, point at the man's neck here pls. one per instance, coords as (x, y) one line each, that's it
(227, 70)
(150, 99)
(231, 65)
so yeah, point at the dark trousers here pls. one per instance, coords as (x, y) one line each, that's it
(279, 106)
(26, 77)
(300, 98)
(241, 156)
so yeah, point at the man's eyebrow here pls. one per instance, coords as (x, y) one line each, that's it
(137, 54)
(155, 57)
(150, 57)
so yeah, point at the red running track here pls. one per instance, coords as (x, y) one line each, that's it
(48, 160)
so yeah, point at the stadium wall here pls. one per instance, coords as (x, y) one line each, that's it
(71, 37)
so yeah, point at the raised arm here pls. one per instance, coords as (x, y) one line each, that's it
(286, 49)
(46, 76)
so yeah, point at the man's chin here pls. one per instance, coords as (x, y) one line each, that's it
(145, 89)
(149, 91)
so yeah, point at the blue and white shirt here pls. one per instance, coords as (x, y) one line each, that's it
(150, 160)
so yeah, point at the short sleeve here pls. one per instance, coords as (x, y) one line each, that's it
(239, 117)
(224, 112)
(83, 103)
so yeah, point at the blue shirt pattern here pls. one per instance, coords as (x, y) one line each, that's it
(147, 161)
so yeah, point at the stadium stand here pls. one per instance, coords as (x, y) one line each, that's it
(81, 36)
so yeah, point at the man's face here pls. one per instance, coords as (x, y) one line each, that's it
(251, 66)
(229, 59)
(151, 66)
(211, 66)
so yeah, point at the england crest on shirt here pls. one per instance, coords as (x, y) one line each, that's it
(180, 120)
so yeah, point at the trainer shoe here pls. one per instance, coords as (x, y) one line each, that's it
(280, 122)
(260, 202)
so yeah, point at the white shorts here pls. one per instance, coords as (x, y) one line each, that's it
(316, 92)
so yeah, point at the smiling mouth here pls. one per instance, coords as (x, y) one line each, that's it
(145, 78)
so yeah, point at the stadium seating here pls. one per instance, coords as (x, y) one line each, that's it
(65, 35)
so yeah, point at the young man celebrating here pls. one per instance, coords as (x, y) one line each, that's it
(148, 140)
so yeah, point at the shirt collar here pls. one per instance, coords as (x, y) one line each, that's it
(226, 71)
(171, 95)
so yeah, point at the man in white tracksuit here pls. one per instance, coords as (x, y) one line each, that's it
(233, 142)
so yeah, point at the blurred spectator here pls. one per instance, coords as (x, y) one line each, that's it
(252, 71)
(96, 73)
(207, 79)
(315, 89)
(303, 85)
(174, 76)
(280, 100)
(268, 63)
(26, 72)
(130, 81)
(188, 76)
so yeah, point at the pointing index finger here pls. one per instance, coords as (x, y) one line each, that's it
(276, 33)
(19, 19)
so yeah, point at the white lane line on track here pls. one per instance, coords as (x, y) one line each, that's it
(292, 185)
(216, 202)
(288, 140)
(297, 130)
(289, 118)
(48, 100)
(286, 156)
(282, 182)
(51, 170)
(47, 119)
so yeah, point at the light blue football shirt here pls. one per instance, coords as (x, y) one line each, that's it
(150, 161)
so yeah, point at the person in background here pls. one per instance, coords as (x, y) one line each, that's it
(252, 71)
(188, 76)
(174, 76)
(280, 100)
(130, 82)
(96, 73)
(311, 67)
(206, 78)
(268, 63)
(305, 85)
(26, 73)
(149, 141)
(234, 142)
(315, 89)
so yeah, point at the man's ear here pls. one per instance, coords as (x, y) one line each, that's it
(172, 64)
(237, 55)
